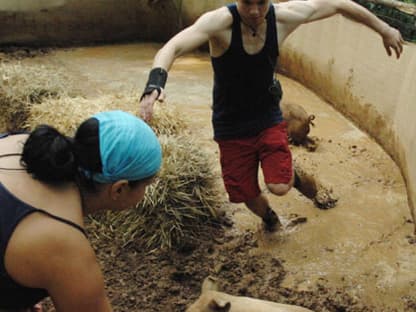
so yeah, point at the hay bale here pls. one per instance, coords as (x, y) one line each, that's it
(166, 121)
(66, 113)
(24, 85)
(178, 207)
(182, 200)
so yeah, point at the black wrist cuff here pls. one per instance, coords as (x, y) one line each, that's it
(157, 81)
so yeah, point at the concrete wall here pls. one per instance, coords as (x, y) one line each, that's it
(347, 65)
(192, 9)
(63, 22)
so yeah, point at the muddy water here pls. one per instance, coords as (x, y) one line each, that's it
(362, 244)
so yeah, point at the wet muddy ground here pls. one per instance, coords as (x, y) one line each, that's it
(358, 256)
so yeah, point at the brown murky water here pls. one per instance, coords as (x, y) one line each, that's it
(363, 244)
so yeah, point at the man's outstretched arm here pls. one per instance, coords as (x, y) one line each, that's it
(294, 13)
(185, 41)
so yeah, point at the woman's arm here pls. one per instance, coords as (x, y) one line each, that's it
(59, 259)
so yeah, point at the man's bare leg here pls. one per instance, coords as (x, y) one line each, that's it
(301, 181)
(260, 207)
(305, 184)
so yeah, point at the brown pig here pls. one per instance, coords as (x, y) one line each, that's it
(212, 300)
(298, 122)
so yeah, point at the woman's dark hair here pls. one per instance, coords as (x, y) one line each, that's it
(48, 155)
(87, 146)
(52, 157)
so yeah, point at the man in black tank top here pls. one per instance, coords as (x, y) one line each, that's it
(244, 40)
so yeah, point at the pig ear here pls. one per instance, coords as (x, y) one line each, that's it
(311, 117)
(210, 283)
(219, 305)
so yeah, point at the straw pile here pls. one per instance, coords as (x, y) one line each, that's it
(182, 201)
(24, 85)
(66, 113)
(178, 207)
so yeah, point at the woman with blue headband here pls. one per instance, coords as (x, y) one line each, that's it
(48, 183)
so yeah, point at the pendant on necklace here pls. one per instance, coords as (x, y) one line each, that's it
(252, 29)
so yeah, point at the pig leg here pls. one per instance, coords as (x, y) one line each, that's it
(311, 144)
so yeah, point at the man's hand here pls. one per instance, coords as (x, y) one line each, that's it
(147, 102)
(392, 39)
(37, 308)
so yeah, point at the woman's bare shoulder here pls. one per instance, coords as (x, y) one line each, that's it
(40, 246)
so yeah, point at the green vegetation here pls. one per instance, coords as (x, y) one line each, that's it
(409, 1)
(399, 19)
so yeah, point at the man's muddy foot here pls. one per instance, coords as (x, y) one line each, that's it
(271, 222)
(308, 186)
(324, 199)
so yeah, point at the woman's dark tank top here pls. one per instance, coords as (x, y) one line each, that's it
(243, 106)
(12, 211)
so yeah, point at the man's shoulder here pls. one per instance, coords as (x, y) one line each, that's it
(281, 6)
(279, 9)
(222, 13)
(218, 19)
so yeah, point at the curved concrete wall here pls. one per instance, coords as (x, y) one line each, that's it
(347, 65)
(63, 22)
(192, 9)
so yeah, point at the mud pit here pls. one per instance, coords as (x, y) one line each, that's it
(358, 256)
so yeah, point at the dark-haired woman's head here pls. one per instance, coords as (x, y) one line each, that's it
(48, 156)
(108, 148)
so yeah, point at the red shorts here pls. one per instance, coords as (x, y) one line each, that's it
(240, 160)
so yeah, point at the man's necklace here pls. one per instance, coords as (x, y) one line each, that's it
(254, 31)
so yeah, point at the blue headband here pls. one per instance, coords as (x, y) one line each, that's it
(129, 148)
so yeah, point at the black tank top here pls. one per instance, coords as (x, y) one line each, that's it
(243, 106)
(12, 211)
